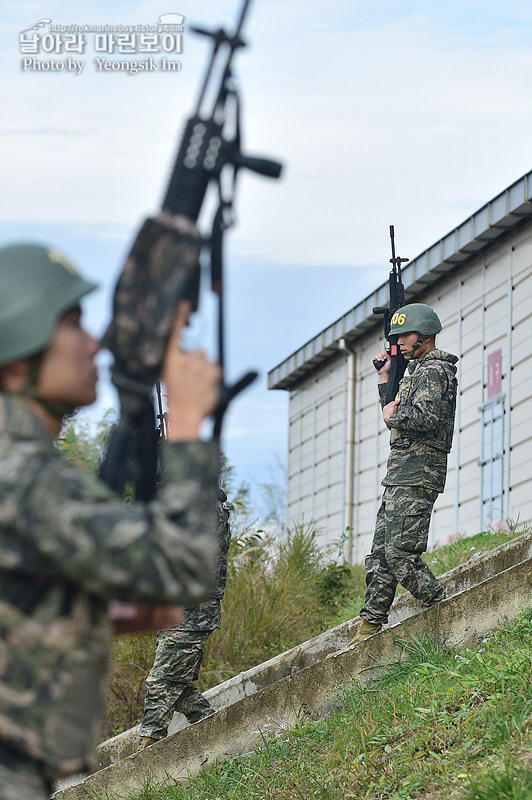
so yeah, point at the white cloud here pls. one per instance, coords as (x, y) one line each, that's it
(382, 112)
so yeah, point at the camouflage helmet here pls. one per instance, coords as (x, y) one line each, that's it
(39, 285)
(415, 317)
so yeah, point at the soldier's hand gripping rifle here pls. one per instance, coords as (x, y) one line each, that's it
(209, 153)
(397, 300)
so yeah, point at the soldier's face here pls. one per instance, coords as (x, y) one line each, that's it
(68, 373)
(407, 341)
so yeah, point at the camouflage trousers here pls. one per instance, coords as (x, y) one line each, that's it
(401, 535)
(21, 778)
(170, 687)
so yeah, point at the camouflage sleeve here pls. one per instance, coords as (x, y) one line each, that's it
(160, 552)
(421, 409)
(382, 387)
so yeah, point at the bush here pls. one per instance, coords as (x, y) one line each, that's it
(334, 586)
(280, 592)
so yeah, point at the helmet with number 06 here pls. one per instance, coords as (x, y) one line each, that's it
(415, 317)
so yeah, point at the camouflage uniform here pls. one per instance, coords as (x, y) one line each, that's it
(422, 434)
(67, 546)
(179, 652)
(21, 778)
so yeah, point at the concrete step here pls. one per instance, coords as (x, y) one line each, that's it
(290, 685)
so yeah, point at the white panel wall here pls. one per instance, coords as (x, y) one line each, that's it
(316, 450)
(520, 380)
(483, 307)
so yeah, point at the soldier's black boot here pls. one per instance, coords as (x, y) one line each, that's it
(438, 597)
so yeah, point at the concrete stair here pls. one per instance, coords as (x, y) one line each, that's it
(302, 683)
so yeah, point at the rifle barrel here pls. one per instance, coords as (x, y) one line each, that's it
(242, 17)
(392, 237)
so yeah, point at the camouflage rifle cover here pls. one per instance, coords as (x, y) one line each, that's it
(161, 269)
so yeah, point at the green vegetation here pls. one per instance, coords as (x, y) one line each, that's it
(84, 445)
(442, 726)
(279, 594)
(442, 560)
(439, 725)
(450, 556)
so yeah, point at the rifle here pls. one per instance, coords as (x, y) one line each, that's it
(205, 152)
(397, 300)
(209, 153)
(161, 416)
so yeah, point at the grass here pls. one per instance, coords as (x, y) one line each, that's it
(441, 725)
(277, 597)
(445, 558)
(442, 560)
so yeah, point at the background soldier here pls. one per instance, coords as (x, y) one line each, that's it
(68, 545)
(421, 419)
(179, 653)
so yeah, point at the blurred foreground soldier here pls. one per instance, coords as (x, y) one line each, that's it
(421, 420)
(68, 545)
(179, 653)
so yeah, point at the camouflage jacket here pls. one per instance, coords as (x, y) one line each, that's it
(208, 616)
(67, 546)
(422, 428)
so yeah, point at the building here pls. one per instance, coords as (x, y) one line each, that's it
(479, 278)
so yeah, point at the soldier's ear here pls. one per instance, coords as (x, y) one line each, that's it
(14, 376)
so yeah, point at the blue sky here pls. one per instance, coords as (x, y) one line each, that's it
(412, 113)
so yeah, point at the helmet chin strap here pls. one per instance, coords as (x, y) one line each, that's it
(416, 346)
(55, 408)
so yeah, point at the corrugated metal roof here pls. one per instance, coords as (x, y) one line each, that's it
(508, 211)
